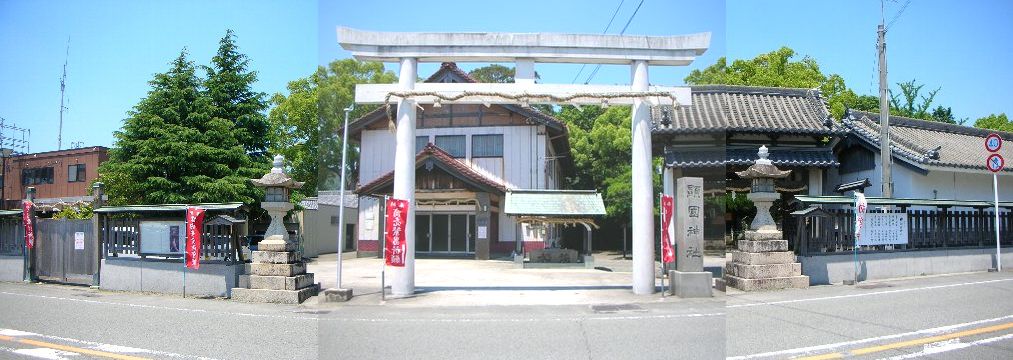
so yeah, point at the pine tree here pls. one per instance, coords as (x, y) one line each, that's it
(172, 149)
(229, 84)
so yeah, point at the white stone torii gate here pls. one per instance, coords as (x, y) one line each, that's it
(410, 48)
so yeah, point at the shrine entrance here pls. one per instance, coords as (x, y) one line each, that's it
(637, 52)
(445, 233)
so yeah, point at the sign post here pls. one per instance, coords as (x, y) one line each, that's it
(995, 163)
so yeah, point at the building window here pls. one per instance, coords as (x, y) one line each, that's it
(453, 144)
(420, 143)
(487, 145)
(37, 176)
(75, 173)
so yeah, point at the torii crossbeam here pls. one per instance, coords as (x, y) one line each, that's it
(410, 48)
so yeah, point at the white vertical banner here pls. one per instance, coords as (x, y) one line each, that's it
(861, 206)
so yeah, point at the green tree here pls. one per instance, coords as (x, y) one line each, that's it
(908, 103)
(171, 149)
(307, 123)
(229, 84)
(493, 74)
(777, 69)
(995, 122)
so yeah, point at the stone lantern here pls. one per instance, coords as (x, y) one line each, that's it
(277, 186)
(277, 273)
(762, 260)
(762, 192)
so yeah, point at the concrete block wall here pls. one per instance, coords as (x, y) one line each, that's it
(166, 276)
(12, 268)
(834, 269)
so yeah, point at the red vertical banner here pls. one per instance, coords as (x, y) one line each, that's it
(26, 217)
(194, 230)
(396, 247)
(667, 250)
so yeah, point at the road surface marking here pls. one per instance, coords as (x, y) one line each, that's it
(155, 307)
(914, 342)
(865, 294)
(96, 346)
(956, 346)
(820, 348)
(72, 349)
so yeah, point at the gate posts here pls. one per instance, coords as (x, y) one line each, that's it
(29, 254)
(96, 231)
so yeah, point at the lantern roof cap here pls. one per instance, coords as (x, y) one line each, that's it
(763, 168)
(277, 177)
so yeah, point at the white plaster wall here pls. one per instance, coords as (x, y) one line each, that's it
(522, 165)
(909, 183)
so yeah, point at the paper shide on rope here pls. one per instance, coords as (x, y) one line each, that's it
(524, 99)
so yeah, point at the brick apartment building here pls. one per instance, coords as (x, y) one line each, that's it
(59, 177)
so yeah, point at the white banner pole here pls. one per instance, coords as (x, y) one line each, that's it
(661, 240)
(995, 189)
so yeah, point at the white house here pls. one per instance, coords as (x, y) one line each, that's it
(469, 156)
(931, 160)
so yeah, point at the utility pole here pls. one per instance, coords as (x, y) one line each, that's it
(63, 85)
(884, 116)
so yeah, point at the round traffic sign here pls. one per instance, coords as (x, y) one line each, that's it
(995, 162)
(993, 142)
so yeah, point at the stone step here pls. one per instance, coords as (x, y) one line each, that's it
(275, 296)
(276, 257)
(792, 282)
(756, 246)
(765, 271)
(266, 246)
(275, 282)
(278, 269)
(766, 235)
(763, 258)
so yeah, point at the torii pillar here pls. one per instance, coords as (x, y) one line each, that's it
(643, 187)
(403, 278)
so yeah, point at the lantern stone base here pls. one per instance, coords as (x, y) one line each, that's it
(276, 276)
(763, 262)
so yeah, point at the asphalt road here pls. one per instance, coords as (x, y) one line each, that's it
(52, 321)
(965, 316)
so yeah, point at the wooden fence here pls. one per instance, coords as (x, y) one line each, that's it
(927, 229)
(122, 237)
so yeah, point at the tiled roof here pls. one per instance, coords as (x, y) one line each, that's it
(455, 167)
(554, 203)
(928, 143)
(721, 108)
(328, 197)
(783, 157)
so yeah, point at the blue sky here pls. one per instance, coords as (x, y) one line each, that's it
(963, 47)
(116, 46)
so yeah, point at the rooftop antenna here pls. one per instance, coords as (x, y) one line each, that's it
(63, 85)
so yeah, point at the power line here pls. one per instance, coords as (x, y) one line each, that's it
(614, 13)
(897, 16)
(630, 20)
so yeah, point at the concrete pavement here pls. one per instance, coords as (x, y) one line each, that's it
(466, 282)
(903, 317)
